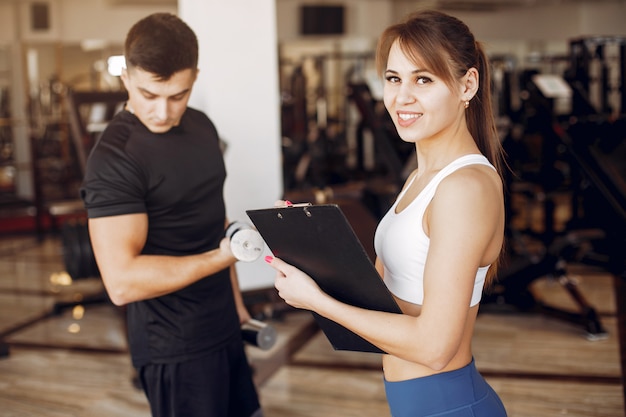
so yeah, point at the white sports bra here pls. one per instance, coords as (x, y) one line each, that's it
(402, 245)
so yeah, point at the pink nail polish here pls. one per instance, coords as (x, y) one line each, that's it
(269, 259)
(288, 203)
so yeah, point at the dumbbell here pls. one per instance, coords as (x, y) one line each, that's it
(259, 334)
(245, 242)
(78, 254)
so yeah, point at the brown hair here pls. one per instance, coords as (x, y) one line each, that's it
(447, 47)
(162, 44)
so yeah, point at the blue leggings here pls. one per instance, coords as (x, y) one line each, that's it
(459, 393)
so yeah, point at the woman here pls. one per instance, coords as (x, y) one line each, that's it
(439, 244)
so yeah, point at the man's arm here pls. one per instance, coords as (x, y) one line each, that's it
(242, 310)
(130, 276)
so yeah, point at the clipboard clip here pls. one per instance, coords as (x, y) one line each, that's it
(289, 205)
(304, 207)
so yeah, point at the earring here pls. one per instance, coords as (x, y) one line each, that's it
(467, 104)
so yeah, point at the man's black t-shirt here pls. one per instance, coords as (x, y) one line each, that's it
(177, 179)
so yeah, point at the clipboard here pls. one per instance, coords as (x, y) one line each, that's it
(319, 240)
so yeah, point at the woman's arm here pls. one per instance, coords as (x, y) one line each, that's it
(462, 223)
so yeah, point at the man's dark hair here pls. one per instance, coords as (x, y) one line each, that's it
(162, 44)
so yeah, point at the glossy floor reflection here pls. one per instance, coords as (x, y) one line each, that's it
(68, 361)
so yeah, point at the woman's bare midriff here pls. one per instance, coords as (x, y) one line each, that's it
(397, 369)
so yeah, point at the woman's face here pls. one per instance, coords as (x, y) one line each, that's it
(421, 105)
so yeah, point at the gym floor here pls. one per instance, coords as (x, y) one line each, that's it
(66, 352)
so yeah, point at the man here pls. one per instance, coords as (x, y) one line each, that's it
(153, 191)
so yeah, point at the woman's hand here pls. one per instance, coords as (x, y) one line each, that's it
(294, 286)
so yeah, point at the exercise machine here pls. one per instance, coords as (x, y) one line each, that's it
(553, 108)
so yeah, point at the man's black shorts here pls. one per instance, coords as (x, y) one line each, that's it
(217, 385)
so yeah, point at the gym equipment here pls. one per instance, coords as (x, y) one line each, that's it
(245, 242)
(78, 254)
(521, 267)
(79, 262)
(324, 127)
(552, 107)
(598, 147)
(393, 152)
(395, 157)
(259, 334)
(59, 150)
(101, 106)
(597, 72)
(521, 270)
